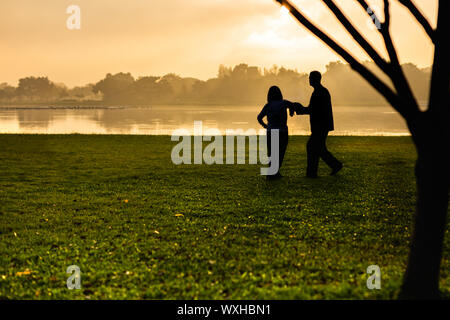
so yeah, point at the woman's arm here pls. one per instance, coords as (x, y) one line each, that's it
(261, 115)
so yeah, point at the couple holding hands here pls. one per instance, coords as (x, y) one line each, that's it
(321, 122)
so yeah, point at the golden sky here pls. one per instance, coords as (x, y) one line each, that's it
(190, 38)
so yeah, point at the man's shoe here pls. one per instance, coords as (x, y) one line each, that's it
(311, 176)
(337, 169)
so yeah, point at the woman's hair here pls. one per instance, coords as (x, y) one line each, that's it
(274, 94)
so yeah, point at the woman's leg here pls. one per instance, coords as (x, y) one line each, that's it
(269, 149)
(284, 139)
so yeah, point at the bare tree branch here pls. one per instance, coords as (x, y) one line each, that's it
(397, 75)
(378, 84)
(420, 18)
(440, 80)
(383, 28)
(380, 62)
(372, 15)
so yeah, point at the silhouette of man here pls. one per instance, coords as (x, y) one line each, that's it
(321, 121)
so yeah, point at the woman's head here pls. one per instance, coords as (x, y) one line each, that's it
(274, 94)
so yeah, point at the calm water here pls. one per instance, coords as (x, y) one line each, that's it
(165, 119)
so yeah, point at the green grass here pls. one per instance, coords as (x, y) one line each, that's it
(140, 227)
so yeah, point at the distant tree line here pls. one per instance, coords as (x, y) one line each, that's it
(41, 90)
(242, 84)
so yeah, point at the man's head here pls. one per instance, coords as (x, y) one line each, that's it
(314, 78)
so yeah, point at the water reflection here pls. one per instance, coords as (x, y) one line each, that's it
(166, 119)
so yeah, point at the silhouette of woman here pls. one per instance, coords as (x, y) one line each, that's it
(276, 112)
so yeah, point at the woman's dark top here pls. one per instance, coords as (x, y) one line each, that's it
(276, 113)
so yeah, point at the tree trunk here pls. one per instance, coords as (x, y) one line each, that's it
(431, 134)
(421, 279)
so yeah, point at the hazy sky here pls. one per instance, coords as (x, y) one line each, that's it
(190, 38)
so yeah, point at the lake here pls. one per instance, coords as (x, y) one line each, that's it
(158, 120)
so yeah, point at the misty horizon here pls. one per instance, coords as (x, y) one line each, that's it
(321, 69)
(241, 84)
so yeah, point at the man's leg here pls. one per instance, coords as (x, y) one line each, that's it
(326, 155)
(312, 157)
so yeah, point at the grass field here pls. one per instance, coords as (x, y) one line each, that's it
(140, 227)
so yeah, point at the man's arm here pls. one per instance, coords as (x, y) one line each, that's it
(295, 107)
(300, 109)
(307, 110)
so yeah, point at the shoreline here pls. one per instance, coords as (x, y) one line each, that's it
(391, 135)
(132, 106)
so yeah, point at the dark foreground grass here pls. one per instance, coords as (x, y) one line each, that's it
(140, 227)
